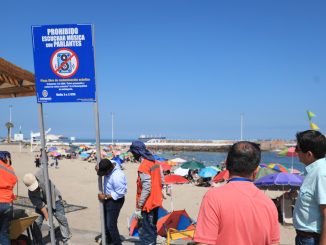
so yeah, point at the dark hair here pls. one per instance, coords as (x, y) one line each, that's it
(5, 157)
(243, 158)
(105, 166)
(312, 140)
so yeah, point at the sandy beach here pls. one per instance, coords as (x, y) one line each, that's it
(78, 183)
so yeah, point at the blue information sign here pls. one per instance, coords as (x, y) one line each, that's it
(64, 63)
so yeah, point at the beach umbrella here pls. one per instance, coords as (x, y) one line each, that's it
(171, 179)
(174, 179)
(289, 152)
(295, 171)
(133, 222)
(278, 167)
(54, 154)
(207, 172)
(178, 160)
(160, 159)
(179, 220)
(84, 155)
(171, 163)
(53, 148)
(192, 165)
(165, 166)
(280, 179)
(222, 176)
(181, 171)
(215, 167)
(117, 160)
(264, 171)
(62, 151)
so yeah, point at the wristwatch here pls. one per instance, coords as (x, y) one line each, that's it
(105, 197)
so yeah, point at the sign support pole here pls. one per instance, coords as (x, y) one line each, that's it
(98, 150)
(100, 182)
(46, 172)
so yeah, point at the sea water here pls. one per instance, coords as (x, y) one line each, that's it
(215, 158)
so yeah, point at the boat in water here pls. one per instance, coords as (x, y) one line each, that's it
(150, 138)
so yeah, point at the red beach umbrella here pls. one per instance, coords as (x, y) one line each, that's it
(288, 152)
(222, 176)
(165, 166)
(175, 179)
(178, 219)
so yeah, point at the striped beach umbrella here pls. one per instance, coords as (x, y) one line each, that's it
(278, 167)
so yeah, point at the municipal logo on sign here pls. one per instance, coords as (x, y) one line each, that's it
(64, 62)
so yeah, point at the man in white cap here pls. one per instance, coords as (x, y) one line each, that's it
(37, 195)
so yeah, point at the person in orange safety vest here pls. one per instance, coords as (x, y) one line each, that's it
(149, 195)
(8, 180)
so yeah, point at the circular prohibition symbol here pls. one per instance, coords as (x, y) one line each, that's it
(64, 62)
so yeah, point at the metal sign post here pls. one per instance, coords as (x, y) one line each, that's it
(46, 172)
(65, 72)
(98, 157)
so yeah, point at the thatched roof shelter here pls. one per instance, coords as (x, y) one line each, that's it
(15, 81)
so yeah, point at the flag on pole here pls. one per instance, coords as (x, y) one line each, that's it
(310, 114)
(313, 126)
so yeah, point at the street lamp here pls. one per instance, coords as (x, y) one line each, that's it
(241, 126)
(10, 107)
(112, 115)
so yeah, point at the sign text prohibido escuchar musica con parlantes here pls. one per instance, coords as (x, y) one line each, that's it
(64, 63)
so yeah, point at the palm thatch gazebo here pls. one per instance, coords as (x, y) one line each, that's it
(15, 81)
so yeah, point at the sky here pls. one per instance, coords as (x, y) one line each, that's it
(184, 69)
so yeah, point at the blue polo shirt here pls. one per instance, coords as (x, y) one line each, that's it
(115, 184)
(307, 215)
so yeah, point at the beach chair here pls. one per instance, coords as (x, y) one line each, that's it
(174, 234)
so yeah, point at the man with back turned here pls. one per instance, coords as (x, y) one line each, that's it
(238, 212)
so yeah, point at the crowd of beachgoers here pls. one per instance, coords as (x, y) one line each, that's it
(76, 172)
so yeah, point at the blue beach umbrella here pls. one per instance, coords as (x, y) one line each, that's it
(84, 155)
(160, 159)
(207, 172)
(280, 180)
(53, 148)
(118, 160)
(216, 168)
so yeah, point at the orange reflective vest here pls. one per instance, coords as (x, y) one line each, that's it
(155, 198)
(8, 180)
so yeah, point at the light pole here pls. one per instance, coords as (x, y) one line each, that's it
(241, 126)
(10, 107)
(112, 116)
